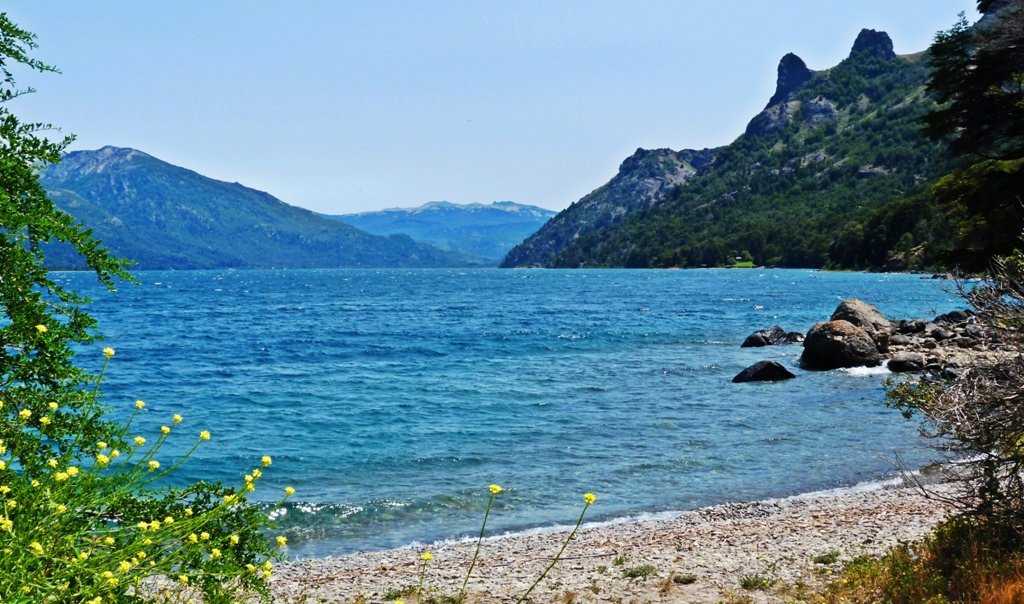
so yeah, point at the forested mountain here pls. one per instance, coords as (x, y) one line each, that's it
(167, 217)
(487, 231)
(829, 173)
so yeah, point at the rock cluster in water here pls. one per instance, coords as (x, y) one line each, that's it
(859, 335)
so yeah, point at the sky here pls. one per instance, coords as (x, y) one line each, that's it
(355, 106)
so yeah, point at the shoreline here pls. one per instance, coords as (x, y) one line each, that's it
(718, 545)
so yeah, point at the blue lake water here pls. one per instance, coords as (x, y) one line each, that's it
(390, 399)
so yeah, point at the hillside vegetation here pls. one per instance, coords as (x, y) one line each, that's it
(163, 216)
(831, 173)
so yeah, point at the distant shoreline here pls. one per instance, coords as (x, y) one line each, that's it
(717, 545)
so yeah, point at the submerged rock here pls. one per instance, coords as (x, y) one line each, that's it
(837, 344)
(764, 371)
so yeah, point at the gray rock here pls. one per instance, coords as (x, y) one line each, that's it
(956, 316)
(873, 43)
(764, 337)
(764, 371)
(974, 331)
(906, 361)
(836, 344)
(940, 333)
(964, 342)
(953, 373)
(868, 318)
(912, 326)
(794, 337)
(901, 340)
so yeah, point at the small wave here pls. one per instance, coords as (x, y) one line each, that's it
(866, 371)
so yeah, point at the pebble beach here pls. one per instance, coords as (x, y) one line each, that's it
(710, 550)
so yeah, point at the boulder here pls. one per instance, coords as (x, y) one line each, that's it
(906, 361)
(836, 344)
(912, 326)
(901, 340)
(764, 371)
(956, 316)
(794, 337)
(868, 318)
(765, 337)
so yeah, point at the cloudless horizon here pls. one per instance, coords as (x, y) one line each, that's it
(360, 106)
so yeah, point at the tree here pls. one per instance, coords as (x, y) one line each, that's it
(978, 81)
(79, 520)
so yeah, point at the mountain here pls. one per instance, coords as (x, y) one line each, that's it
(167, 217)
(831, 173)
(644, 180)
(485, 231)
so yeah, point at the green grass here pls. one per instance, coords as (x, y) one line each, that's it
(639, 572)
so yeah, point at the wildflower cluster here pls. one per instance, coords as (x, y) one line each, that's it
(88, 524)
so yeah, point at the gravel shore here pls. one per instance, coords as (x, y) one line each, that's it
(714, 546)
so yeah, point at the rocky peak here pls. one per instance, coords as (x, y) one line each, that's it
(871, 42)
(793, 72)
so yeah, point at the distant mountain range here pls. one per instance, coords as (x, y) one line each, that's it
(167, 217)
(831, 173)
(486, 231)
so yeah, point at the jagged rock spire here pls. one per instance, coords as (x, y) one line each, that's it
(873, 42)
(793, 72)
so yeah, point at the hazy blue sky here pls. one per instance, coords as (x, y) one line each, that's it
(352, 106)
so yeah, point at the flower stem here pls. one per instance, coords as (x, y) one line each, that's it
(462, 592)
(557, 556)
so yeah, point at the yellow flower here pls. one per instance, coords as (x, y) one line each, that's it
(96, 600)
(108, 540)
(108, 352)
(176, 418)
(141, 555)
(140, 404)
(204, 536)
(233, 539)
(399, 601)
(495, 489)
(426, 556)
(204, 435)
(102, 460)
(215, 553)
(147, 541)
(169, 520)
(61, 508)
(257, 473)
(165, 430)
(72, 471)
(153, 465)
(44, 420)
(3, 464)
(142, 525)
(35, 483)
(107, 574)
(589, 498)
(125, 566)
(281, 540)
(229, 499)
(101, 445)
(83, 556)
(140, 440)
(5, 490)
(250, 487)
(248, 478)
(41, 328)
(193, 538)
(114, 454)
(6, 524)
(268, 566)
(61, 476)
(289, 491)
(183, 579)
(249, 567)
(267, 574)
(24, 414)
(266, 460)
(154, 525)
(36, 547)
(52, 405)
(188, 512)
